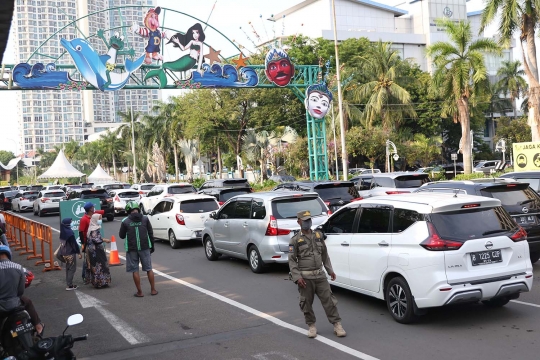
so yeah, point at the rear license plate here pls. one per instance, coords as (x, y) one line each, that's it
(56, 200)
(526, 220)
(23, 329)
(486, 257)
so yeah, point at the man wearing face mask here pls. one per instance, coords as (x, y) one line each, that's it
(307, 256)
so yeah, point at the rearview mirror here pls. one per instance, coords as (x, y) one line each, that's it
(74, 319)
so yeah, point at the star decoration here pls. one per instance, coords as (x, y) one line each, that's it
(213, 56)
(241, 61)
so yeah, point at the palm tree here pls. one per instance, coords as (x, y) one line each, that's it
(112, 145)
(459, 75)
(189, 149)
(522, 16)
(386, 99)
(169, 124)
(511, 81)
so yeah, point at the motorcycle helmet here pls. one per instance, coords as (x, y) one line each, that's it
(28, 277)
(131, 206)
(6, 250)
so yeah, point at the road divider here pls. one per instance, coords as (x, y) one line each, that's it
(28, 235)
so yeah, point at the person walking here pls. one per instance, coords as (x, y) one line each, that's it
(137, 232)
(69, 250)
(307, 255)
(83, 231)
(96, 257)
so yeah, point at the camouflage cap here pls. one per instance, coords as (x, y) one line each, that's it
(303, 215)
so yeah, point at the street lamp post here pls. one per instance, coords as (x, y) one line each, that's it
(133, 146)
(395, 155)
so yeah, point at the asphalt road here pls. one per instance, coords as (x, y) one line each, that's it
(221, 310)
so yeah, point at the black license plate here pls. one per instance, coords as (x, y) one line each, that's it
(486, 257)
(23, 329)
(526, 220)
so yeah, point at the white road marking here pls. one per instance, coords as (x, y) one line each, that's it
(525, 303)
(263, 356)
(132, 336)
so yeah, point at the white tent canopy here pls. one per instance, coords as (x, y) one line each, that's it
(99, 175)
(61, 168)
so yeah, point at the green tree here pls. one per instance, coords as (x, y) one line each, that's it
(112, 145)
(511, 82)
(513, 131)
(370, 143)
(459, 74)
(520, 16)
(425, 149)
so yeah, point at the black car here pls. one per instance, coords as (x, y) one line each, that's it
(530, 177)
(519, 199)
(5, 199)
(335, 194)
(105, 199)
(222, 195)
(225, 183)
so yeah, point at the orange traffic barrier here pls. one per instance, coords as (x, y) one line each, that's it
(26, 235)
(114, 259)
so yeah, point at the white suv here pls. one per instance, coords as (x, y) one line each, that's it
(418, 251)
(161, 191)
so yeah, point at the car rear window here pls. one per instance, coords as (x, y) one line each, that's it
(341, 191)
(235, 183)
(227, 194)
(36, 187)
(94, 194)
(473, 224)
(54, 187)
(198, 206)
(411, 181)
(288, 208)
(74, 187)
(147, 187)
(181, 190)
(511, 194)
(128, 194)
(30, 194)
(10, 193)
(113, 187)
(54, 194)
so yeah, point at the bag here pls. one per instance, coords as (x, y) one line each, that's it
(58, 254)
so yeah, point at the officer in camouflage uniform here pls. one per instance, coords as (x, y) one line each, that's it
(307, 255)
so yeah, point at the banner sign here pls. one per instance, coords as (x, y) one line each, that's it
(74, 209)
(526, 156)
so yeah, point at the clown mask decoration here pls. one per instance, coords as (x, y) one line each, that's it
(318, 99)
(278, 67)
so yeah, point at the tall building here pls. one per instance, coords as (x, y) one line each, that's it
(49, 118)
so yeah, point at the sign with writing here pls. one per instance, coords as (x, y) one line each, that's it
(454, 157)
(526, 156)
(74, 209)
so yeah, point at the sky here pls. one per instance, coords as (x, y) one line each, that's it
(228, 16)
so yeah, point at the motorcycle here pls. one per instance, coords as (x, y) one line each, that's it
(57, 348)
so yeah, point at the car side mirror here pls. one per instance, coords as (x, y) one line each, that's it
(212, 215)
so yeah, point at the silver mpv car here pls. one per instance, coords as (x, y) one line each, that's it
(257, 227)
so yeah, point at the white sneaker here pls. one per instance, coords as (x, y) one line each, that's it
(72, 287)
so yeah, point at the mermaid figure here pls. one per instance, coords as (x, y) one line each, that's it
(192, 40)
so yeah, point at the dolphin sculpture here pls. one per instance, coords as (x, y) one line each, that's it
(93, 67)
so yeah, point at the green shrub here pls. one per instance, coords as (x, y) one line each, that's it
(476, 176)
(267, 185)
(197, 183)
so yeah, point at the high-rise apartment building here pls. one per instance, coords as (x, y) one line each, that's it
(49, 118)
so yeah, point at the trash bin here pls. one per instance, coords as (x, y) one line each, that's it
(181, 176)
(230, 175)
(207, 176)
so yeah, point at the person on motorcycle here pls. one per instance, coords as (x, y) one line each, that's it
(12, 281)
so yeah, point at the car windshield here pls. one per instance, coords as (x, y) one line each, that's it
(198, 206)
(54, 194)
(181, 190)
(411, 181)
(147, 187)
(226, 195)
(288, 208)
(341, 191)
(128, 194)
(473, 224)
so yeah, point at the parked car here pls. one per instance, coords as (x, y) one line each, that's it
(486, 166)
(360, 171)
(48, 201)
(102, 195)
(389, 183)
(258, 226)
(181, 217)
(518, 199)
(34, 188)
(530, 177)
(87, 185)
(5, 188)
(5, 199)
(52, 187)
(424, 250)
(335, 194)
(24, 201)
(161, 191)
(121, 198)
(126, 185)
(143, 189)
(225, 183)
(111, 186)
(222, 195)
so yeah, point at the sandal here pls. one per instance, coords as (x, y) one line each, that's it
(137, 295)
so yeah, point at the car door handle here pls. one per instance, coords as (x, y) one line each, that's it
(245, 224)
(383, 243)
(344, 243)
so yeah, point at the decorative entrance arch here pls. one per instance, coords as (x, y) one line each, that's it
(80, 67)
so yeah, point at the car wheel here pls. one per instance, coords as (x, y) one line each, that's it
(40, 213)
(399, 301)
(175, 244)
(535, 256)
(210, 250)
(255, 262)
(497, 302)
(110, 217)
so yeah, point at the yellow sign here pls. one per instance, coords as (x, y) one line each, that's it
(526, 156)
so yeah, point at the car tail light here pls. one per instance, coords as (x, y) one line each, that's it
(23, 198)
(109, 200)
(272, 229)
(116, 198)
(44, 200)
(435, 243)
(180, 219)
(393, 192)
(519, 235)
(141, 192)
(511, 185)
(357, 199)
(468, 206)
(221, 203)
(6, 200)
(329, 212)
